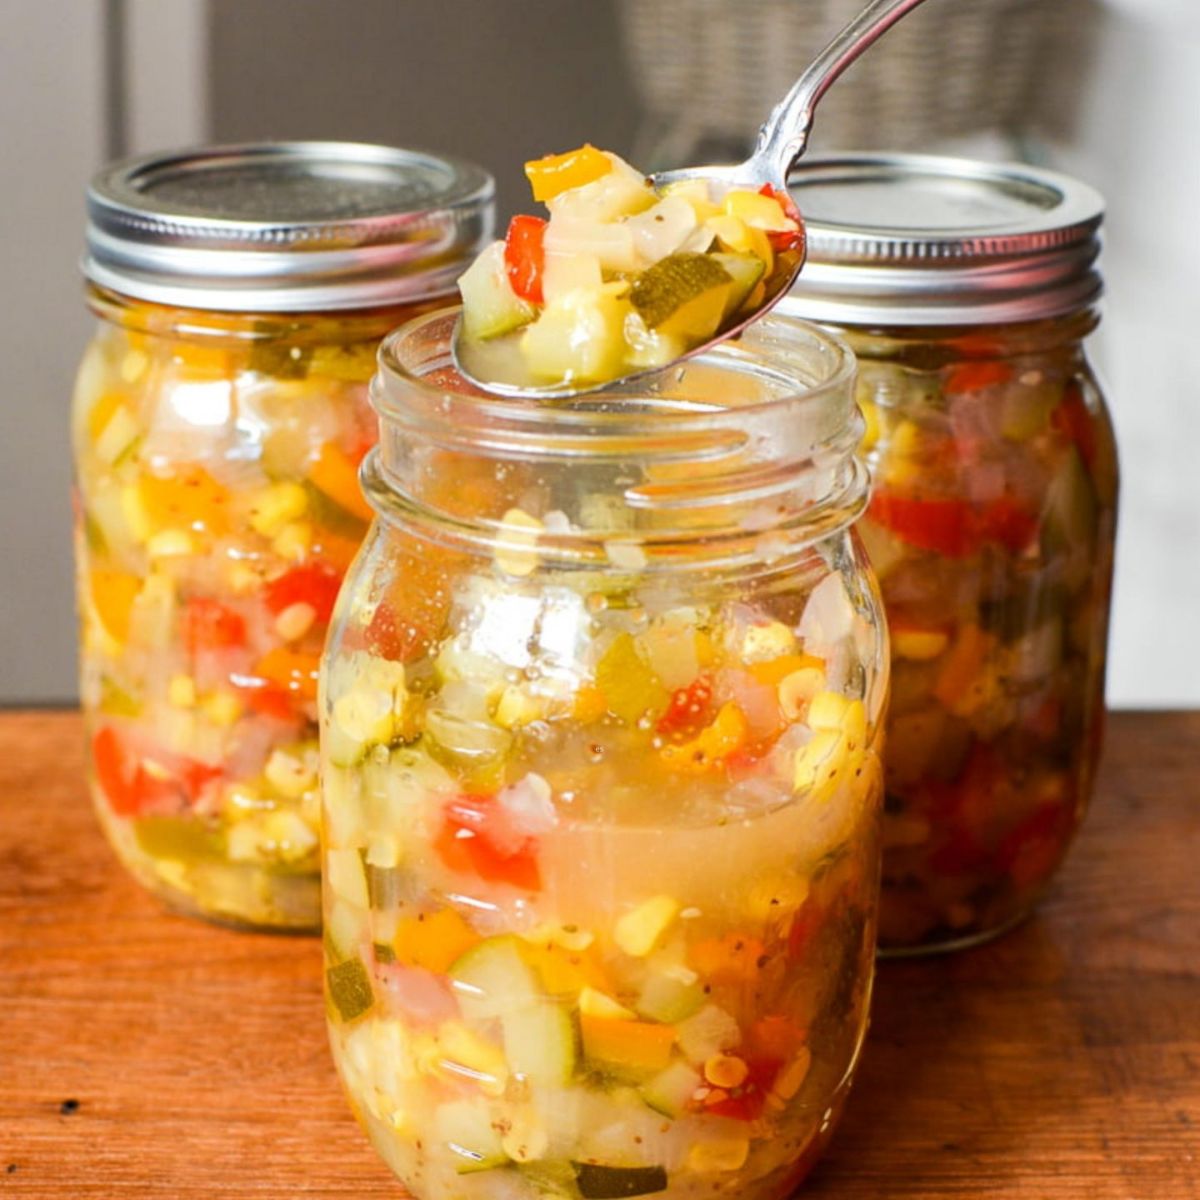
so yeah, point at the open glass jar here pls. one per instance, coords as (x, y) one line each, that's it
(599, 733)
(966, 291)
(219, 418)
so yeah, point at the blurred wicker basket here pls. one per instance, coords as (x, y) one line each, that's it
(708, 71)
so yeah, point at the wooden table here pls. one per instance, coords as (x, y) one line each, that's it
(142, 1054)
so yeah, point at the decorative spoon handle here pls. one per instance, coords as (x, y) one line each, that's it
(785, 132)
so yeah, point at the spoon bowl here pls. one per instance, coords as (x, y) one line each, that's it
(496, 366)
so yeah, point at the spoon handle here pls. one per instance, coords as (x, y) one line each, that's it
(785, 133)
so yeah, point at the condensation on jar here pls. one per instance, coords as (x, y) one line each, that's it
(600, 720)
(219, 417)
(967, 291)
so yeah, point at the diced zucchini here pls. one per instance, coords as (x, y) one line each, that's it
(490, 306)
(669, 997)
(492, 979)
(672, 1090)
(350, 988)
(579, 337)
(745, 270)
(188, 839)
(596, 1182)
(1070, 509)
(683, 295)
(550, 1178)
(540, 1042)
(467, 1129)
(637, 932)
(711, 1031)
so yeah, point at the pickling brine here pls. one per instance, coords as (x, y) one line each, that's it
(601, 781)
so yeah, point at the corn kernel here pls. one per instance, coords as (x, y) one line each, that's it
(726, 1071)
(767, 640)
(919, 645)
(295, 621)
(789, 1080)
(819, 762)
(181, 691)
(288, 775)
(797, 690)
(637, 932)
(518, 535)
(719, 1154)
(274, 507)
(222, 708)
(293, 541)
(170, 543)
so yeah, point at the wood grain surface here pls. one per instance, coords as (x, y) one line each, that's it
(144, 1054)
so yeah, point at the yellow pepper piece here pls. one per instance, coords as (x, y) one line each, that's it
(277, 506)
(102, 412)
(433, 941)
(819, 764)
(637, 932)
(635, 1044)
(560, 172)
(190, 499)
(337, 477)
(920, 645)
(758, 211)
(775, 670)
(631, 689)
(113, 594)
(741, 238)
(565, 972)
(963, 668)
(711, 746)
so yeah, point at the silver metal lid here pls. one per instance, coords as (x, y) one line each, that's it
(285, 226)
(909, 239)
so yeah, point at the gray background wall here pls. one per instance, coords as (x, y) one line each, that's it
(499, 81)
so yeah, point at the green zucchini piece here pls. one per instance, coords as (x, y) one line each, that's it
(597, 1182)
(1070, 506)
(468, 1131)
(670, 1091)
(540, 1043)
(188, 839)
(492, 979)
(683, 294)
(667, 999)
(350, 988)
(745, 270)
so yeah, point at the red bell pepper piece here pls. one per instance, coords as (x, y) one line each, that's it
(210, 625)
(746, 1101)
(314, 584)
(953, 528)
(688, 709)
(792, 239)
(525, 257)
(476, 839)
(132, 789)
(975, 376)
(1072, 420)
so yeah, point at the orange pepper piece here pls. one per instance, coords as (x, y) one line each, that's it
(635, 1044)
(291, 671)
(733, 958)
(337, 476)
(560, 172)
(433, 941)
(113, 594)
(711, 746)
(190, 499)
(774, 671)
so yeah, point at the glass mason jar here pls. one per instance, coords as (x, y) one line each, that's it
(219, 418)
(967, 291)
(600, 719)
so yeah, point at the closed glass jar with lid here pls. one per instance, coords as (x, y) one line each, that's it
(219, 417)
(967, 290)
(599, 735)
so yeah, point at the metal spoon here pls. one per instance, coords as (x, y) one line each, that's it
(781, 141)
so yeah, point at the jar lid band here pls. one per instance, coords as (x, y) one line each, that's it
(285, 226)
(908, 239)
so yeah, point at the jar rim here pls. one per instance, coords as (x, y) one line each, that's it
(610, 411)
(694, 484)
